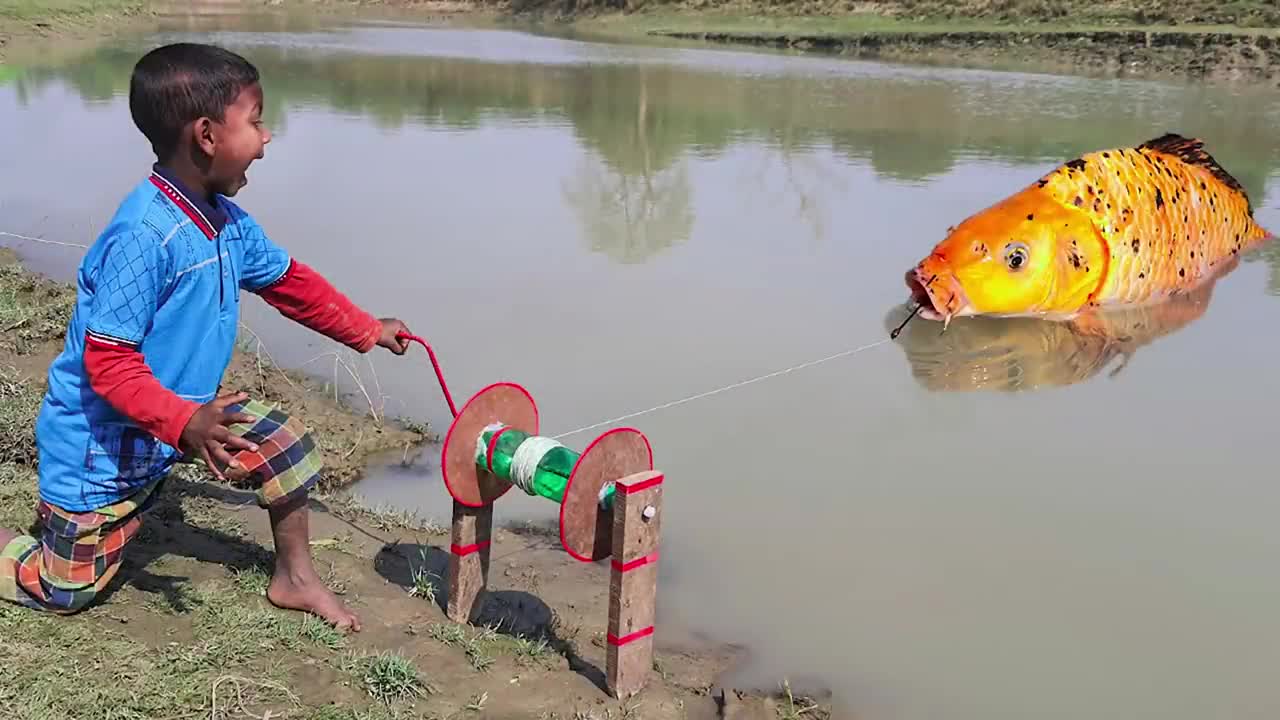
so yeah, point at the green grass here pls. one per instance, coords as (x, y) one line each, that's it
(50, 10)
(483, 645)
(387, 676)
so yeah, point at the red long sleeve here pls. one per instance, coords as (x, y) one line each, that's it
(305, 296)
(120, 375)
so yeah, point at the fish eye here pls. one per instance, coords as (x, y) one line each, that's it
(1015, 255)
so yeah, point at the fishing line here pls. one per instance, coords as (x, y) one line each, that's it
(646, 411)
(42, 240)
(673, 403)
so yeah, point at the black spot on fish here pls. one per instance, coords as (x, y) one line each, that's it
(1042, 183)
(1106, 154)
(1141, 275)
(1079, 201)
(1077, 164)
(1159, 199)
(1202, 186)
(1031, 216)
(1193, 254)
(1182, 272)
(1136, 245)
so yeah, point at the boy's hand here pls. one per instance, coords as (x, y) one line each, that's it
(206, 435)
(392, 327)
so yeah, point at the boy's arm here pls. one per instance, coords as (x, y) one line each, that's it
(120, 375)
(134, 271)
(303, 295)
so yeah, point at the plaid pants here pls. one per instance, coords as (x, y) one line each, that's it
(78, 553)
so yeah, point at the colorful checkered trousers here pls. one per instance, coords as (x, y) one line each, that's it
(78, 553)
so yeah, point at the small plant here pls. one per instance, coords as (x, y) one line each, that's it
(423, 587)
(387, 677)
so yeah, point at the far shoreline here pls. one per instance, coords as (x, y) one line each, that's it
(1211, 54)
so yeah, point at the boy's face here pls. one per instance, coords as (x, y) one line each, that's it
(236, 142)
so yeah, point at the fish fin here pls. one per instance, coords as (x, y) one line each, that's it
(1192, 152)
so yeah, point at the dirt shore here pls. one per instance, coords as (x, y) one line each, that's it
(1215, 56)
(1197, 39)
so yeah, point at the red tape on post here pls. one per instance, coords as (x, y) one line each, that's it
(620, 641)
(629, 489)
(461, 550)
(638, 562)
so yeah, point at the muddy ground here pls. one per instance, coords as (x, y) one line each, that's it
(186, 629)
(1108, 53)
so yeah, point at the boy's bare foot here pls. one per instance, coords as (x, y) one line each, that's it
(311, 595)
(294, 582)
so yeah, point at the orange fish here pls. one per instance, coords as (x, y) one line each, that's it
(1114, 228)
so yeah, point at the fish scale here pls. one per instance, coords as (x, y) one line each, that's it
(1168, 199)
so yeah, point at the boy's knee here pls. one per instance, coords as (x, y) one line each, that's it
(69, 602)
(28, 580)
(287, 464)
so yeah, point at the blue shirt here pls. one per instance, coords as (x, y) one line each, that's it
(164, 277)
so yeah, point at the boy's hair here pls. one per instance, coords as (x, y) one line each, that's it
(176, 84)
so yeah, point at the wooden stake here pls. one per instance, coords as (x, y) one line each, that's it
(468, 560)
(633, 587)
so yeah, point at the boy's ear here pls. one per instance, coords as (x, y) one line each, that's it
(202, 133)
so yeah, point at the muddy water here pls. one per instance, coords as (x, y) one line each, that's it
(985, 524)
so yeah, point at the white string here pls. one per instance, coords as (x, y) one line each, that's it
(726, 388)
(42, 240)
(524, 461)
(638, 413)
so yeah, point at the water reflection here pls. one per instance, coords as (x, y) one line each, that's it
(908, 130)
(1029, 354)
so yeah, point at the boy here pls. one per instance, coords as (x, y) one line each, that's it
(135, 387)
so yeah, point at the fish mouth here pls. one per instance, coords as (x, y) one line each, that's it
(939, 296)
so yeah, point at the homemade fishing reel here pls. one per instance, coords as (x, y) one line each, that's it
(610, 500)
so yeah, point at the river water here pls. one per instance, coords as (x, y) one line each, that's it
(984, 524)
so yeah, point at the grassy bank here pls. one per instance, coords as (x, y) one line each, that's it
(1081, 43)
(45, 26)
(1232, 39)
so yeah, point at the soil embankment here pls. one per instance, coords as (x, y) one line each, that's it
(1201, 55)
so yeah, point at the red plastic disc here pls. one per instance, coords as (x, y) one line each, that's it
(585, 532)
(503, 402)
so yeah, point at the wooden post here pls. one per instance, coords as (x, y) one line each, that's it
(633, 587)
(468, 559)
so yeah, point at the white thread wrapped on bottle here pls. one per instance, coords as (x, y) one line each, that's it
(524, 461)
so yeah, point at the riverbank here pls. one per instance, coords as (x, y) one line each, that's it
(187, 630)
(1200, 40)
(1213, 53)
